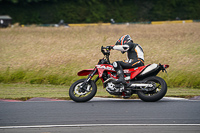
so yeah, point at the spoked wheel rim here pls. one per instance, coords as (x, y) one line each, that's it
(78, 92)
(154, 90)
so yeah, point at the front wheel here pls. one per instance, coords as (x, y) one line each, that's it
(82, 92)
(157, 92)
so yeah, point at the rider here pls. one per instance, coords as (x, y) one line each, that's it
(135, 56)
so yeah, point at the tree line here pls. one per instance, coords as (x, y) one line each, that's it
(94, 11)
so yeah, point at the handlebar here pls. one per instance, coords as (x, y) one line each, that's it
(106, 52)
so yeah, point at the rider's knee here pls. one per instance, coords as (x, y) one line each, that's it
(115, 64)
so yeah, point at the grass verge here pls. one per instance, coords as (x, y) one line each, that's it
(26, 91)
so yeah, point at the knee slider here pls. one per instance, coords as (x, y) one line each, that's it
(115, 64)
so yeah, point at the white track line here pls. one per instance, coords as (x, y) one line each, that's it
(95, 125)
(164, 98)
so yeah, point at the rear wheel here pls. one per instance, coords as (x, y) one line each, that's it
(82, 92)
(157, 92)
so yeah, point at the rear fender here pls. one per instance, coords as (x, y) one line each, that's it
(152, 70)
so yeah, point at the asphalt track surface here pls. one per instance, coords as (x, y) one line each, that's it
(100, 115)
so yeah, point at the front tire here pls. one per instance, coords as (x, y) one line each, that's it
(79, 95)
(158, 92)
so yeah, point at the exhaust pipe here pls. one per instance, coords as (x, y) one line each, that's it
(141, 85)
(131, 85)
(110, 79)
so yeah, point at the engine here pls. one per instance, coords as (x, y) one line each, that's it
(114, 89)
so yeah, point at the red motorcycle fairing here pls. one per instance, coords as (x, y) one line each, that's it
(106, 67)
(134, 71)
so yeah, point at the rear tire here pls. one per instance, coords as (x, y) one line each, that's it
(78, 95)
(159, 91)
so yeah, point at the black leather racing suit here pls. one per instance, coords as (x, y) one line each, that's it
(135, 56)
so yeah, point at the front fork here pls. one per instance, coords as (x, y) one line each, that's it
(90, 76)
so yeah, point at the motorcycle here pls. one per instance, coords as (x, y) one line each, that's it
(141, 81)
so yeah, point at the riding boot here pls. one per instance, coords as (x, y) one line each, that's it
(121, 79)
(120, 73)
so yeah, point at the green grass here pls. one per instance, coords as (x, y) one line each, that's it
(27, 91)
